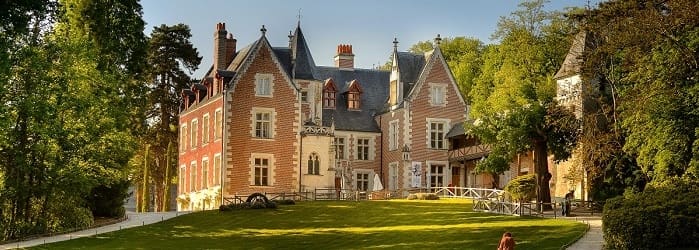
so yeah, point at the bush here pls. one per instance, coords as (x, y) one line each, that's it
(522, 188)
(285, 202)
(662, 216)
(423, 196)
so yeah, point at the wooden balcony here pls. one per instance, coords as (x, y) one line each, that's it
(469, 153)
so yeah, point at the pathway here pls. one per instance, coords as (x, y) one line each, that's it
(592, 240)
(133, 220)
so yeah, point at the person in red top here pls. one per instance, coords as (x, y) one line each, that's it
(507, 242)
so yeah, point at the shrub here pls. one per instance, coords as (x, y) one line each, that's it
(662, 216)
(522, 188)
(285, 202)
(423, 196)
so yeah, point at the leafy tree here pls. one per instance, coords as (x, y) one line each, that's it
(513, 96)
(652, 60)
(172, 59)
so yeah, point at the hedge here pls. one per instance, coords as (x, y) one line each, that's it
(662, 216)
(522, 188)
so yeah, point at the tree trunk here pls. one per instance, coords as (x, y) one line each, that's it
(543, 192)
(145, 197)
(166, 191)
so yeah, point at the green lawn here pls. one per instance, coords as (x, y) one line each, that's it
(401, 224)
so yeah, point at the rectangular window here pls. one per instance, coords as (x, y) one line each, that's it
(204, 173)
(263, 125)
(217, 169)
(205, 129)
(183, 138)
(393, 135)
(362, 181)
(329, 99)
(263, 86)
(340, 148)
(353, 100)
(304, 96)
(193, 176)
(362, 149)
(437, 135)
(261, 172)
(438, 94)
(194, 133)
(393, 176)
(437, 175)
(218, 118)
(183, 175)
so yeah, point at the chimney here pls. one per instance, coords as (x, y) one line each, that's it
(344, 58)
(220, 46)
(230, 48)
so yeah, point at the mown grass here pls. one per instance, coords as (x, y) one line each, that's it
(397, 224)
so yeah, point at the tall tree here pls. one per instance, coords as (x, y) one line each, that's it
(646, 52)
(172, 59)
(513, 97)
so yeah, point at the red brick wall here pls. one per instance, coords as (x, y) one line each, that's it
(202, 150)
(392, 155)
(421, 109)
(241, 144)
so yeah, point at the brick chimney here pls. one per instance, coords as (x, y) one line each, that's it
(344, 58)
(224, 46)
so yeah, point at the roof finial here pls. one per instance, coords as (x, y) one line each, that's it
(437, 40)
(298, 18)
(395, 43)
(263, 30)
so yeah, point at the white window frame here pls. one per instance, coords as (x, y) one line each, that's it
(304, 95)
(393, 176)
(217, 169)
(368, 146)
(272, 123)
(340, 147)
(264, 85)
(205, 132)
(193, 176)
(183, 177)
(218, 120)
(393, 135)
(438, 94)
(183, 138)
(357, 180)
(270, 168)
(444, 175)
(205, 173)
(194, 133)
(445, 129)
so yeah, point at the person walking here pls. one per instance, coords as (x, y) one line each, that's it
(507, 242)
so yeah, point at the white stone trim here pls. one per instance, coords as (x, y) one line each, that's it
(393, 135)
(270, 77)
(445, 175)
(433, 86)
(218, 137)
(217, 175)
(393, 171)
(447, 127)
(193, 143)
(273, 122)
(205, 177)
(205, 120)
(270, 173)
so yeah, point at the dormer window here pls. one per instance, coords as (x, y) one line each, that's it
(329, 94)
(263, 85)
(353, 95)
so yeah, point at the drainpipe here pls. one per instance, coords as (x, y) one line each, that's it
(224, 141)
(381, 152)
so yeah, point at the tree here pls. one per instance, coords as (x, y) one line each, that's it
(171, 59)
(652, 60)
(513, 96)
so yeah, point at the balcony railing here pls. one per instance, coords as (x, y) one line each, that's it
(469, 153)
(317, 130)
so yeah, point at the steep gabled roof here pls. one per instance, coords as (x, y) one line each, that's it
(572, 64)
(245, 57)
(432, 58)
(303, 65)
(410, 65)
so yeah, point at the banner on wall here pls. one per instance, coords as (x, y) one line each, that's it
(416, 173)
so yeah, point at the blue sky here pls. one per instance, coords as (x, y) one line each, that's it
(369, 26)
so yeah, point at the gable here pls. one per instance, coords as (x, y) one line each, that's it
(261, 49)
(436, 70)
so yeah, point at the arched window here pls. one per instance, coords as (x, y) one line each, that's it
(313, 164)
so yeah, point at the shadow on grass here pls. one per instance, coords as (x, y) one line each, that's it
(339, 225)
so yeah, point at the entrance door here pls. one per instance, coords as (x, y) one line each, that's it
(456, 176)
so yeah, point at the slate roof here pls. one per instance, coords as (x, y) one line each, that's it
(456, 130)
(304, 67)
(410, 66)
(572, 64)
(374, 84)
